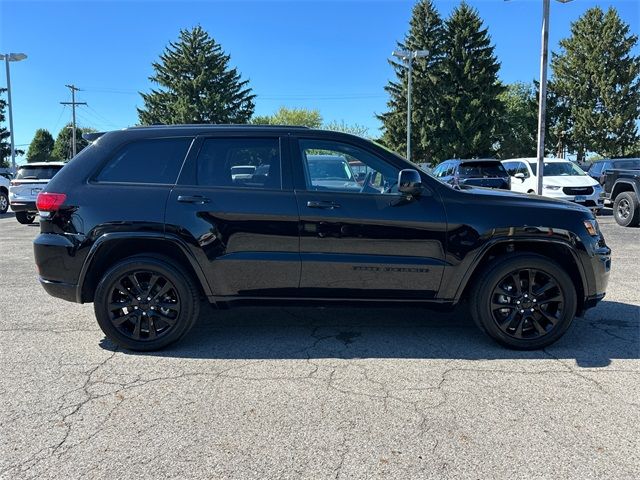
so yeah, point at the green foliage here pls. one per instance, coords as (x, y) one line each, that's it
(597, 87)
(41, 147)
(291, 116)
(426, 32)
(5, 143)
(470, 90)
(63, 146)
(519, 124)
(196, 85)
(354, 129)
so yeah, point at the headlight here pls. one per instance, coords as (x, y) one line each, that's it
(552, 187)
(592, 227)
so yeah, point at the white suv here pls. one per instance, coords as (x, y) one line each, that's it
(563, 180)
(30, 180)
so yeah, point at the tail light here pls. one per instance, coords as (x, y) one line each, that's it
(50, 202)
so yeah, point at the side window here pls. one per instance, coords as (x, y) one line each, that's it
(511, 168)
(437, 171)
(240, 163)
(522, 168)
(330, 165)
(596, 168)
(451, 170)
(147, 161)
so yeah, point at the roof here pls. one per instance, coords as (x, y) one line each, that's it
(217, 126)
(534, 160)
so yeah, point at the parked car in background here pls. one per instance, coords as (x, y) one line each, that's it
(4, 194)
(30, 179)
(474, 173)
(598, 169)
(563, 180)
(622, 187)
(146, 223)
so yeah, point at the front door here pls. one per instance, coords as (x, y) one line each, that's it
(235, 206)
(359, 238)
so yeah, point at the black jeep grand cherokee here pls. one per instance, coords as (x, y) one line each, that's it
(147, 221)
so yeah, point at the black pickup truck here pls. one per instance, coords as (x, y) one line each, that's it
(622, 187)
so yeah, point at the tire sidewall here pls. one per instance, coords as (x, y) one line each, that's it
(6, 202)
(25, 218)
(490, 279)
(183, 286)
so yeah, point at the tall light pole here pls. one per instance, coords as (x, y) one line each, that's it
(408, 58)
(11, 57)
(542, 100)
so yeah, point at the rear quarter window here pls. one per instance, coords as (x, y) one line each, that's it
(146, 161)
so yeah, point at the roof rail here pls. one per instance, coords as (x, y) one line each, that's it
(216, 125)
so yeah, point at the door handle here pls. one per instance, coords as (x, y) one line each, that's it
(322, 204)
(197, 199)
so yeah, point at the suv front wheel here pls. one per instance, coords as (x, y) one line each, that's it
(145, 303)
(523, 301)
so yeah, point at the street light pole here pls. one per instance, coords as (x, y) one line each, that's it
(11, 57)
(542, 101)
(408, 58)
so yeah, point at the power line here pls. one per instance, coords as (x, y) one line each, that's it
(73, 104)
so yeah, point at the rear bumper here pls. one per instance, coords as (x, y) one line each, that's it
(65, 291)
(19, 206)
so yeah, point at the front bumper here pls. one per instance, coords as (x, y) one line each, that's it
(23, 206)
(595, 201)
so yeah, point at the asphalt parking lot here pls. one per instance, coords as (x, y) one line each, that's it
(316, 393)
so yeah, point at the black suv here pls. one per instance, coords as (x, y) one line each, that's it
(148, 221)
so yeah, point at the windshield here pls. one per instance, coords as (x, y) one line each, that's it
(559, 169)
(329, 170)
(627, 164)
(37, 173)
(482, 169)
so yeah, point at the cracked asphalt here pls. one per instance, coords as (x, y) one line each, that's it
(317, 393)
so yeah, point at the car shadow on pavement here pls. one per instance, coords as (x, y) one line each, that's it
(609, 331)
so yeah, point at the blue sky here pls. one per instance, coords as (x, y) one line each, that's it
(329, 55)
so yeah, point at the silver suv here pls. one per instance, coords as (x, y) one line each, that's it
(30, 180)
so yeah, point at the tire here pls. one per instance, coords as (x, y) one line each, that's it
(4, 203)
(626, 210)
(25, 218)
(545, 319)
(143, 323)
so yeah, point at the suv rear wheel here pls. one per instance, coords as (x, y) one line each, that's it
(626, 210)
(523, 301)
(145, 303)
(25, 217)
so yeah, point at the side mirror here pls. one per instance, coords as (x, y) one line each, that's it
(409, 182)
(520, 176)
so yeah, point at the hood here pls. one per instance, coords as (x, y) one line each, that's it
(514, 199)
(570, 181)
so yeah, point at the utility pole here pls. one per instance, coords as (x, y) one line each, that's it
(543, 93)
(11, 57)
(73, 104)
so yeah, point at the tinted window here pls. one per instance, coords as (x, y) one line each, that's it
(330, 166)
(37, 173)
(559, 169)
(240, 162)
(627, 164)
(147, 161)
(596, 168)
(482, 169)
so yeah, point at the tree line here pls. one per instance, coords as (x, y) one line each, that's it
(460, 108)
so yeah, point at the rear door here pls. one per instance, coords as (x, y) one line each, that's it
(242, 227)
(367, 243)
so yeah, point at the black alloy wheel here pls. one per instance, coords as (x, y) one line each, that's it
(146, 302)
(626, 209)
(144, 305)
(523, 300)
(527, 303)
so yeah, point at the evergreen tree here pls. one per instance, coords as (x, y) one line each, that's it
(519, 124)
(63, 146)
(41, 147)
(291, 116)
(425, 33)
(196, 85)
(5, 144)
(471, 106)
(596, 77)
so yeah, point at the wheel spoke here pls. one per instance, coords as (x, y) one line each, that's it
(539, 328)
(546, 287)
(136, 330)
(152, 328)
(550, 318)
(165, 318)
(516, 280)
(555, 298)
(124, 290)
(532, 276)
(152, 283)
(165, 289)
(120, 320)
(136, 284)
(118, 305)
(496, 306)
(169, 305)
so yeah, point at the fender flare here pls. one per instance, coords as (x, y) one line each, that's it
(170, 239)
